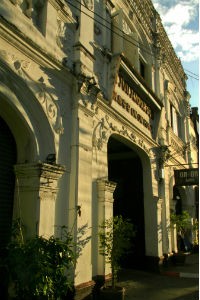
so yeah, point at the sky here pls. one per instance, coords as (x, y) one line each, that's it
(181, 22)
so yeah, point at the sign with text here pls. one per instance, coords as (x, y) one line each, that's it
(131, 102)
(187, 176)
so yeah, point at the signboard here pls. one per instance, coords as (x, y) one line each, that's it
(187, 176)
(130, 101)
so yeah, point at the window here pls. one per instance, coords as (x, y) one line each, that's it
(175, 120)
(39, 15)
(142, 69)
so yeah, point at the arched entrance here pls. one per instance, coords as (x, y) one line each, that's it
(125, 168)
(8, 155)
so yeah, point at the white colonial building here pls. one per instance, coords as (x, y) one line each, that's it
(94, 119)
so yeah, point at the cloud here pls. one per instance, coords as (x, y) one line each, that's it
(184, 41)
(180, 19)
(179, 14)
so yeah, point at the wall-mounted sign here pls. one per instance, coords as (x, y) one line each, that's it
(132, 103)
(187, 176)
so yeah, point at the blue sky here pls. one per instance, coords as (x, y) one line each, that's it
(181, 21)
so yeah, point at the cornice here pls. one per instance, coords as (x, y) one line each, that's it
(39, 169)
(13, 36)
(136, 11)
(62, 7)
(171, 61)
(149, 20)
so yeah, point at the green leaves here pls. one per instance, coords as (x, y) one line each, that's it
(38, 266)
(115, 237)
(182, 221)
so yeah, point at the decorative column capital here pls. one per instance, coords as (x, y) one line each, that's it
(158, 202)
(163, 154)
(105, 190)
(38, 175)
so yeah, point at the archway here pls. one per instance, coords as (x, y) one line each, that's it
(8, 157)
(125, 168)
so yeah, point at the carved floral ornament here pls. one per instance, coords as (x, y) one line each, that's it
(51, 107)
(39, 89)
(163, 155)
(89, 4)
(88, 88)
(30, 6)
(103, 130)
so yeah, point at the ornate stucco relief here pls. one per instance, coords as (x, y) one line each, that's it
(31, 8)
(16, 2)
(39, 88)
(88, 89)
(104, 128)
(89, 4)
(65, 41)
(126, 29)
(51, 106)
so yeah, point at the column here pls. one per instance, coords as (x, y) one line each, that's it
(173, 229)
(105, 190)
(154, 234)
(36, 193)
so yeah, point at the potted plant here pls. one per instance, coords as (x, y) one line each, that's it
(183, 225)
(36, 267)
(115, 235)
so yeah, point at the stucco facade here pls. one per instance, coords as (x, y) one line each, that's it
(94, 98)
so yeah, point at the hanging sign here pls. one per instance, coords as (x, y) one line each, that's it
(187, 176)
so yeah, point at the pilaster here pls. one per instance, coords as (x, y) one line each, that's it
(154, 236)
(36, 193)
(105, 190)
(173, 229)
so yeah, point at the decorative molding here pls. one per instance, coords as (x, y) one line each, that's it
(126, 29)
(104, 128)
(7, 57)
(103, 50)
(16, 2)
(47, 176)
(162, 135)
(178, 146)
(31, 8)
(47, 101)
(39, 89)
(114, 69)
(187, 109)
(163, 155)
(89, 4)
(60, 33)
(105, 190)
(65, 41)
(97, 29)
(87, 88)
(51, 107)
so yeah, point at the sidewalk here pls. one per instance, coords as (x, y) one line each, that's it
(173, 283)
(189, 270)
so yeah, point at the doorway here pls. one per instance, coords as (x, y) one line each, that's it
(125, 168)
(8, 156)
